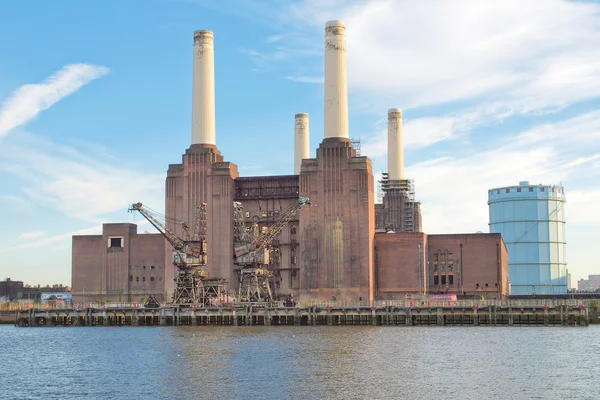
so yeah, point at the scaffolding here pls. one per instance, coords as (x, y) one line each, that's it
(356, 145)
(398, 204)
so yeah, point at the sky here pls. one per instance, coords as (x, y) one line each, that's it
(95, 102)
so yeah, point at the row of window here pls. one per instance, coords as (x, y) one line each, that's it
(436, 279)
(531, 189)
(144, 267)
(137, 278)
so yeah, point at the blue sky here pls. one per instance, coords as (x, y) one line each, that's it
(95, 102)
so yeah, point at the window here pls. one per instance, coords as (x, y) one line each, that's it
(137, 278)
(518, 189)
(443, 279)
(151, 279)
(130, 278)
(143, 279)
(276, 213)
(144, 267)
(270, 213)
(152, 267)
(498, 191)
(264, 214)
(543, 189)
(293, 230)
(531, 189)
(451, 279)
(507, 190)
(247, 214)
(436, 280)
(264, 229)
(115, 242)
(486, 285)
(477, 286)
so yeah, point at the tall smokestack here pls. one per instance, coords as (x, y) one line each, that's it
(336, 82)
(395, 148)
(203, 89)
(301, 139)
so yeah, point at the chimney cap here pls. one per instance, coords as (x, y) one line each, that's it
(203, 33)
(393, 111)
(335, 23)
(302, 115)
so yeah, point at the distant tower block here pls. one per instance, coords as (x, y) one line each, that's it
(395, 147)
(301, 141)
(336, 82)
(203, 92)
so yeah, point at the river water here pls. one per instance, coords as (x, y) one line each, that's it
(300, 363)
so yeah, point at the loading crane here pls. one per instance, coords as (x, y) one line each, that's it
(252, 249)
(192, 285)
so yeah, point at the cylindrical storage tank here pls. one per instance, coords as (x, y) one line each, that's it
(532, 223)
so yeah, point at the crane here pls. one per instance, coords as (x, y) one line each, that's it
(251, 251)
(189, 253)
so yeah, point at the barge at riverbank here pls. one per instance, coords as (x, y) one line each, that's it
(407, 315)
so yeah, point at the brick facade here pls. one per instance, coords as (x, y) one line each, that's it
(120, 265)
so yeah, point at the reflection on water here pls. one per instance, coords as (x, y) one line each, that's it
(300, 363)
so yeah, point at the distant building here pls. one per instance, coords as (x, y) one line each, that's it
(9, 289)
(589, 285)
(531, 221)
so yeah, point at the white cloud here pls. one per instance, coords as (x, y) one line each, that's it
(306, 79)
(77, 182)
(29, 100)
(31, 235)
(453, 190)
(529, 54)
(64, 239)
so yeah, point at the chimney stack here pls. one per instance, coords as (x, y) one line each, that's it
(203, 89)
(301, 141)
(336, 82)
(395, 148)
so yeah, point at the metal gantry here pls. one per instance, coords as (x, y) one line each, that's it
(252, 252)
(189, 257)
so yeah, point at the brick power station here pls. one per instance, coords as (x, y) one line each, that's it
(347, 248)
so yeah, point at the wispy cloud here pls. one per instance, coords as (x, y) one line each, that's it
(62, 240)
(453, 190)
(29, 100)
(77, 181)
(306, 79)
(31, 235)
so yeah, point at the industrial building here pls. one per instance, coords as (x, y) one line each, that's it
(531, 221)
(329, 251)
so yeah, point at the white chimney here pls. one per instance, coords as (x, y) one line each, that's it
(395, 149)
(203, 89)
(336, 82)
(301, 139)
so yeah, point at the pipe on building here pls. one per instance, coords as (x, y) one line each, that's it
(203, 89)
(336, 81)
(301, 141)
(395, 147)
